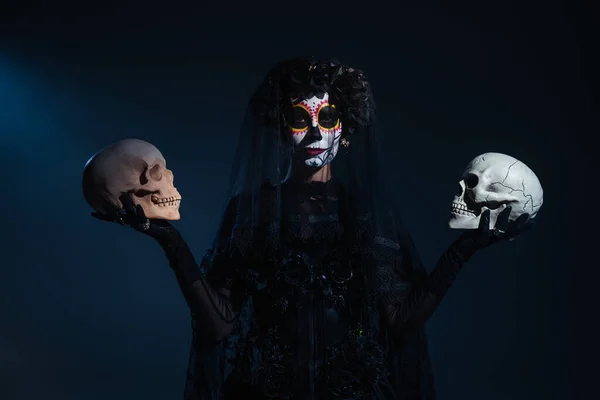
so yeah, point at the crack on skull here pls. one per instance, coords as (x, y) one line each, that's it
(508, 171)
(529, 196)
(523, 190)
(533, 205)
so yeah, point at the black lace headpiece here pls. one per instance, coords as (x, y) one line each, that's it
(304, 77)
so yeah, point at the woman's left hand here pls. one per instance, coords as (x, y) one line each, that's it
(483, 236)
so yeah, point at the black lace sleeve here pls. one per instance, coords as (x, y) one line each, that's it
(211, 289)
(405, 292)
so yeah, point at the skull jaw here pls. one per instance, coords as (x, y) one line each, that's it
(461, 221)
(458, 221)
(162, 203)
(170, 213)
(154, 211)
(464, 213)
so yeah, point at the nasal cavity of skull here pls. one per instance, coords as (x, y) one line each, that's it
(470, 182)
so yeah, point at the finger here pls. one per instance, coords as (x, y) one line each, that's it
(502, 220)
(128, 204)
(528, 225)
(521, 223)
(139, 210)
(484, 222)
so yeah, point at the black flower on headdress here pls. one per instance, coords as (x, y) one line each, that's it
(303, 77)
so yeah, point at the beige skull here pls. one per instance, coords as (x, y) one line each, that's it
(135, 167)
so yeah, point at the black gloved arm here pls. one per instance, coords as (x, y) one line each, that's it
(412, 308)
(212, 306)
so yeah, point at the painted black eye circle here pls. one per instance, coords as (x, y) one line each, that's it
(299, 118)
(328, 117)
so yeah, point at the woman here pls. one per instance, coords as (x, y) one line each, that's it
(312, 289)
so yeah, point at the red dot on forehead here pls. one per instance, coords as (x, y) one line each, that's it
(313, 107)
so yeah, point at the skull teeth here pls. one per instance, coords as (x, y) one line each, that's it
(166, 201)
(462, 209)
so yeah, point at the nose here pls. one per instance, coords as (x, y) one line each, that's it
(314, 134)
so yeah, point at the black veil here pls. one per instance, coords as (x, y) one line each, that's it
(264, 152)
(254, 222)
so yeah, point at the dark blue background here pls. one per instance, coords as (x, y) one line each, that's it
(91, 310)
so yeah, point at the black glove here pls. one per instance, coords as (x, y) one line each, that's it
(176, 249)
(476, 239)
(133, 215)
(205, 301)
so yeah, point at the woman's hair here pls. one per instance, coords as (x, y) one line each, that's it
(300, 78)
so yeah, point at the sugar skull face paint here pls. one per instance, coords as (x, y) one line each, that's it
(316, 129)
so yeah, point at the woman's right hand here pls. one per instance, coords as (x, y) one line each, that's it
(133, 215)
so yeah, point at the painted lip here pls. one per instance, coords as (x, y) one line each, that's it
(314, 152)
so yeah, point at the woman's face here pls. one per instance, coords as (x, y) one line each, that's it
(316, 129)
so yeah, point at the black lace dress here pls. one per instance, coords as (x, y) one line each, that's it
(311, 324)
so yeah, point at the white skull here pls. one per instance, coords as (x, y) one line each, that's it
(494, 181)
(135, 167)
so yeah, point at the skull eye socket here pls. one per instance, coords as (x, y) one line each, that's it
(155, 173)
(471, 181)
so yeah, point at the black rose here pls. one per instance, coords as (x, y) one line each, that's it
(278, 382)
(339, 273)
(295, 271)
(344, 383)
(356, 367)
